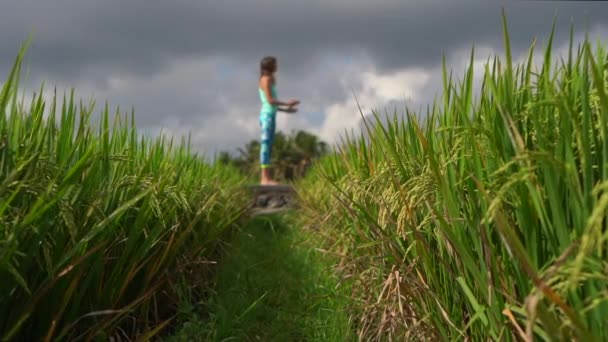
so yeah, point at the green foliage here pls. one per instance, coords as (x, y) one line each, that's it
(488, 222)
(273, 286)
(96, 223)
(291, 155)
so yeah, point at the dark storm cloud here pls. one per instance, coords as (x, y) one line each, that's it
(78, 38)
(192, 64)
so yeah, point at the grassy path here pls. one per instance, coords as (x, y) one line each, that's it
(273, 286)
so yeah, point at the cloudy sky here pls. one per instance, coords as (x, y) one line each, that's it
(192, 65)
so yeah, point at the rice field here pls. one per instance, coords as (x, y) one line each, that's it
(483, 218)
(97, 223)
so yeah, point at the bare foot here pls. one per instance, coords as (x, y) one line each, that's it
(269, 182)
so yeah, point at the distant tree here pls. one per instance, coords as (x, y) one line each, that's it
(291, 155)
(224, 158)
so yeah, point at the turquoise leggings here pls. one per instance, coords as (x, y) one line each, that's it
(268, 123)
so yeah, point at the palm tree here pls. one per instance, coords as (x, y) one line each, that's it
(310, 147)
(291, 155)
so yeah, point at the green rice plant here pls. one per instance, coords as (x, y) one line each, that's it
(487, 221)
(96, 223)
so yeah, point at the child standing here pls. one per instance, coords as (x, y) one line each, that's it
(270, 106)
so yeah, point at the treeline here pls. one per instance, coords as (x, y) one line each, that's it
(292, 155)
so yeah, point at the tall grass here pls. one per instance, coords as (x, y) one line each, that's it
(488, 221)
(96, 223)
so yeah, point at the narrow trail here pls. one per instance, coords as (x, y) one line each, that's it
(273, 286)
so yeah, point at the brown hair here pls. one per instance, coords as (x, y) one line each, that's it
(268, 65)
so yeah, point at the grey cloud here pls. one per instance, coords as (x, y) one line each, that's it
(88, 43)
(78, 37)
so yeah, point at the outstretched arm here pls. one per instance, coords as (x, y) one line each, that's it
(266, 88)
(289, 109)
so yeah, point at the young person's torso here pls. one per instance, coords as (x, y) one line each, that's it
(266, 106)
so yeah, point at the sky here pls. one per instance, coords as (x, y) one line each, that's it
(192, 66)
